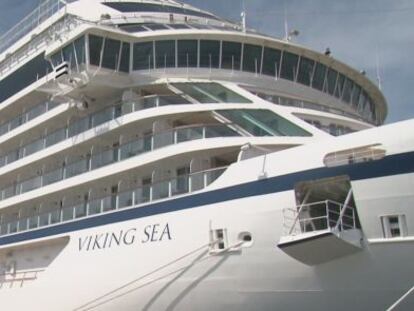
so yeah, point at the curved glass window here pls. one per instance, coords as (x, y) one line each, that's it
(209, 53)
(271, 62)
(346, 96)
(289, 66)
(143, 56)
(80, 50)
(305, 71)
(69, 55)
(165, 54)
(319, 76)
(252, 58)
(263, 123)
(125, 54)
(187, 53)
(355, 95)
(231, 55)
(111, 54)
(210, 93)
(95, 48)
(340, 86)
(331, 78)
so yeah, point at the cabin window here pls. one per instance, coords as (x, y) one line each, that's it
(394, 226)
(346, 96)
(271, 62)
(355, 95)
(331, 81)
(125, 54)
(95, 48)
(252, 58)
(111, 54)
(289, 66)
(187, 53)
(263, 123)
(209, 53)
(340, 86)
(319, 76)
(143, 56)
(165, 54)
(305, 71)
(231, 55)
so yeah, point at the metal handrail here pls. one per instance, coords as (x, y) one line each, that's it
(334, 220)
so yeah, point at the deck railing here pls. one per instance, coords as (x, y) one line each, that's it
(317, 216)
(145, 194)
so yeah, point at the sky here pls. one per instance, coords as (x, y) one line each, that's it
(360, 33)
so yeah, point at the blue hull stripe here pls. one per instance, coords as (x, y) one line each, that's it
(390, 165)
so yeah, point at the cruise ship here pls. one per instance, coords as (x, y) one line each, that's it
(155, 156)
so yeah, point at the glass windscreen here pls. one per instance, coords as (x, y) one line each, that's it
(263, 123)
(210, 93)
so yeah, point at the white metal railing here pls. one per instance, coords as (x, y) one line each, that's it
(134, 197)
(317, 216)
(355, 155)
(45, 10)
(18, 278)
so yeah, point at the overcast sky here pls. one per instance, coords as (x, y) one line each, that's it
(356, 31)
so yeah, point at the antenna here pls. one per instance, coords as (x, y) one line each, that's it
(377, 65)
(286, 21)
(243, 16)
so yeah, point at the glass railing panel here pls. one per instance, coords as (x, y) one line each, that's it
(55, 216)
(95, 207)
(56, 137)
(104, 158)
(78, 127)
(180, 185)
(197, 181)
(109, 203)
(132, 149)
(143, 195)
(77, 168)
(31, 184)
(172, 100)
(33, 222)
(16, 122)
(23, 224)
(127, 108)
(2, 161)
(44, 220)
(4, 128)
(12, 156)
(67, 213)
(187, 134)
(34, 147)
(160, 190)
(36, 111)
(219, 131)
(9, 192)
(125, 199)
(80, 210)
(163, 139)
(13, 227)
(102, 116)
(52, 177)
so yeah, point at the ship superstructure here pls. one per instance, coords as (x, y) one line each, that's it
(118, 118)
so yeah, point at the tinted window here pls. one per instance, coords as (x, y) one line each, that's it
(187, 53)
(80, 50)
(271, 62)
(340, 86)
(355, 95)
(143, 56)
(95, 47)
(289, 66)
(319, 76)
(252, 58)
(305, 71)
(57, 58)
(331, 81)
(111, 53)
(346, 96)
(125, 55)
(231, 55)
(165, 54)
(209, 53)
(69, 55)
(156, 26)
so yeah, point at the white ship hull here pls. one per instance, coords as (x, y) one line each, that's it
(165, 261)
